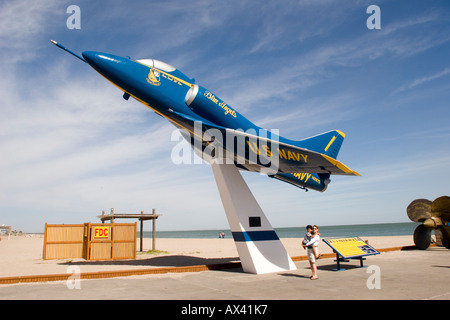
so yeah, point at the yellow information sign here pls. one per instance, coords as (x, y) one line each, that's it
(350, 247)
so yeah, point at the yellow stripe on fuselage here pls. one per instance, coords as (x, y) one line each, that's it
(166, 117)
(168, 74)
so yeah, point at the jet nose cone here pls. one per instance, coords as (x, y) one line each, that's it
(99, 59)
(108, 65)
(90, 56)
(120, 71)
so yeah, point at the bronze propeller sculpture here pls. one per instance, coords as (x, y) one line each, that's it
(432, 216)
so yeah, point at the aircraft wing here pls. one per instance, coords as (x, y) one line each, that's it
(315, 162)
(292, 159)
(263, 151)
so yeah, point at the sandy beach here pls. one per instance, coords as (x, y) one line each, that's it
(22, 255)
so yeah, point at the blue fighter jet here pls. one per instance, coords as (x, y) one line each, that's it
(215, 129)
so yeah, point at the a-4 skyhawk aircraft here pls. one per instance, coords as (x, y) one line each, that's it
(217, 130)
(229, 142)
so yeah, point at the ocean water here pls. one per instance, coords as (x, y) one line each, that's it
(359, 230)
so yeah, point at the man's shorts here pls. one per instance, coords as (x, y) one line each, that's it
(311, 256)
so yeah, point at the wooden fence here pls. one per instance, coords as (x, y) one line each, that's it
(90, 241)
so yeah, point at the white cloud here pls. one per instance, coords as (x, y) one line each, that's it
(313, 113)
(69, 143)
(284, 23)
(397, 25)
(77, 130)
(422, 80)
(20, 22)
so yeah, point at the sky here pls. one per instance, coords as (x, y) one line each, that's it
(71, 146)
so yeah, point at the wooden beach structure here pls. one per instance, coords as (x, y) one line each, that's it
(140, 216)
(90, 241)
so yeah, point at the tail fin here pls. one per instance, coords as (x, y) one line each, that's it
(328, 143)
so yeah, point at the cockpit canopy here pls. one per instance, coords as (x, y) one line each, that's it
(157, 64)
(165, 67)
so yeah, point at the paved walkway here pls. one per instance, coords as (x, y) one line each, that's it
(412, 274)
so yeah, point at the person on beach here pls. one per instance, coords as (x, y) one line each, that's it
(314, 242)
(308, 236)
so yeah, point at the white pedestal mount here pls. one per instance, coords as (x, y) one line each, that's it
(259, 247)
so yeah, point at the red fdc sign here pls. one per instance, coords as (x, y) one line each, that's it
(100, 232)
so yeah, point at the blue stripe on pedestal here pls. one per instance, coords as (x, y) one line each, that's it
(255, 236)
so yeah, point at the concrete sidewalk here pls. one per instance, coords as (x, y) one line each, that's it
(411, 274)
